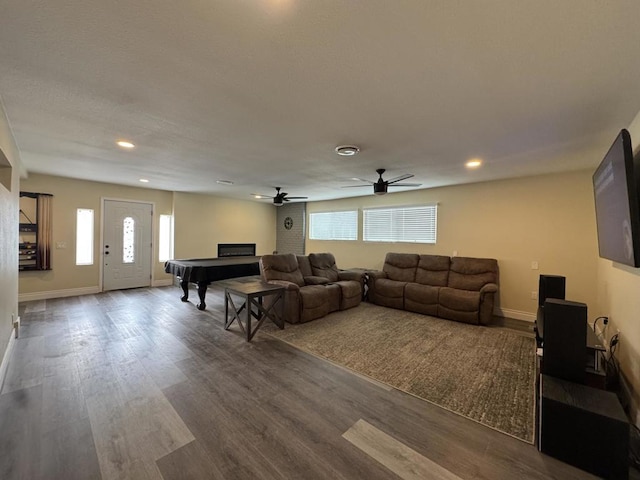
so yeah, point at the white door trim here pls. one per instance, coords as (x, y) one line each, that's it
(154, 246)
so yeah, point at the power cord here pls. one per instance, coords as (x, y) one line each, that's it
(611, 364)
(605, 321)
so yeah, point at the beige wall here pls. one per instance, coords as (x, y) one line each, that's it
(549, 219)
(203, 221)
(8, 231)
(69, 195)
(619, 299)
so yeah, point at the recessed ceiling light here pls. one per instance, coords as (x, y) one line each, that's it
(224, 182)
(125, 144)
(473, 163)
(347, 150)
(144, 180)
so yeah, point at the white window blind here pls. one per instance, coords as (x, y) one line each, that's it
(333, 225)
(416, 224)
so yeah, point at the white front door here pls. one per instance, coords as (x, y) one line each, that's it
(127, 248)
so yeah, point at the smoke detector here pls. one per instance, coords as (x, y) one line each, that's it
(347, 150)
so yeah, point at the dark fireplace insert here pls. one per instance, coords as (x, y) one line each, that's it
(236, 250)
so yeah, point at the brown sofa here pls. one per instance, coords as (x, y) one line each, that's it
(314, 285)
(457, 288)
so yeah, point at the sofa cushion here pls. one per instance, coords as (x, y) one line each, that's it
(389, 293)
(350, 293)
(433, 270)
(334, 297)
(313, 280)
(401, 266)
(324, 265)
(472, 273)
(314, 302)
(460, 305)
(421, 298)
(304, 265)
(281, 267)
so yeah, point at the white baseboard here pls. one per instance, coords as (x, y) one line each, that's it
(7, 355)
(71, 292)
(74, 292)
(517, 314)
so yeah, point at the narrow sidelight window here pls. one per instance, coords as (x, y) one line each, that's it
(84, 236)
(165, 245)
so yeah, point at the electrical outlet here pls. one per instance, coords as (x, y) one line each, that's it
(534, 265)
(16, 325)
(534, 295)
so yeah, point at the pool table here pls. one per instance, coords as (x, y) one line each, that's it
(203, 271)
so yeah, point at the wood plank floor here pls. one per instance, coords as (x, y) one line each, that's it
(138, 385)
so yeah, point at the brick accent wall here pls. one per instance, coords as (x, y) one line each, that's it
(291, 240)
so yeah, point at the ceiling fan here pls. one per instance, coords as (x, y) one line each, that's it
(279, 198)
(380, 187)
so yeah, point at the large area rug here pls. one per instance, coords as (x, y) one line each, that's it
(485, 374)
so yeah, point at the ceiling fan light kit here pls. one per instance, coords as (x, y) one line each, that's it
(379, 189)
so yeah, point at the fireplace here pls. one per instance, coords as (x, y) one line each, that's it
(236, 250)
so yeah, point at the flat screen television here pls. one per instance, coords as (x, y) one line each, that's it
(616, 184)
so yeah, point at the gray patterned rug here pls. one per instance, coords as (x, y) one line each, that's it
(485, 374)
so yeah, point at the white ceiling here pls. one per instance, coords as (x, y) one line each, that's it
(260, 92)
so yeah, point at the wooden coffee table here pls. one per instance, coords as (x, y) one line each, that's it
(252, 295)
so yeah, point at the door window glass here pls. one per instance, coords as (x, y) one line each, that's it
(128, 230)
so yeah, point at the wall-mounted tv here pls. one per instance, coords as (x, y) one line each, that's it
(616, 184)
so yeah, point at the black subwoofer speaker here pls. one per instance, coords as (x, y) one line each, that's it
(565, 339)
(551, 286)
(583, 426)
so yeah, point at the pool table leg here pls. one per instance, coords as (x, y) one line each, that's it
(202, 291)
(185, 288)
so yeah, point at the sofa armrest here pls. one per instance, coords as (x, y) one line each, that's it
(489, 288)
(288, 286)
(315, 280)
(376, 274)
(487, 300)
(358, 276)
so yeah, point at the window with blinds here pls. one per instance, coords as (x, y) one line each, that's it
(416, 224)
(333, 225)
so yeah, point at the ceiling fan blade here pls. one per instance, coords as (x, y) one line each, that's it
(405, 185)
(400, 178)
(354, 186)
(362, 180)
(295, 198)
(260, 196)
